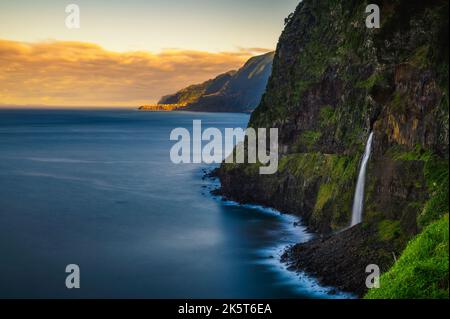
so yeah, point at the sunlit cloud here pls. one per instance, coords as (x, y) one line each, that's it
(63, 73)
(254, 51)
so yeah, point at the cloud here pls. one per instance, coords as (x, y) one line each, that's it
(255, 51)
(84, 74)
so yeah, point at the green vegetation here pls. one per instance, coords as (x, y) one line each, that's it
(325, 195)
(327, 116)
(420, 57)
(389, 229)
(336, 176)
(309, 138)
(436, 174)
(422, 270)
(326, 92)
(417, 154)
(374, 79)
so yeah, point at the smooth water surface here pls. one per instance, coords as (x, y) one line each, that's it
(97, 188)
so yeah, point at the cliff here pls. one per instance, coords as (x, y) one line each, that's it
(333, 82)
(234, 91)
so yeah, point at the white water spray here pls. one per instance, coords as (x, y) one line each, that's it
(359, 191)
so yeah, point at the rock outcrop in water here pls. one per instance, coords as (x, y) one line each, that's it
(333, 82)
(234, 91)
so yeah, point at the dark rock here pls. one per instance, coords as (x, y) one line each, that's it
(340, 260)
(334, 81)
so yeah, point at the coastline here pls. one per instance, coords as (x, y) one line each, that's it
(274, 257)
(187, 109)
(339, 259)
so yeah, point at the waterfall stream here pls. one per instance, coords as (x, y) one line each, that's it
(358, 200)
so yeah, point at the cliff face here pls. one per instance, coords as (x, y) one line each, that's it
(235, 91)
(193, 93)
(334, 81)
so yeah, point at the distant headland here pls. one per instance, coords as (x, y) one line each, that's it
(233, 91)
(161, 107)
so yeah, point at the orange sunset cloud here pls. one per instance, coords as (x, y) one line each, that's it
(61, 73)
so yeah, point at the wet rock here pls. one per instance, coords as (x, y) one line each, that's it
(340, 260)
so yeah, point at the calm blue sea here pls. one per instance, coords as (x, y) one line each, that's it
(97, 188)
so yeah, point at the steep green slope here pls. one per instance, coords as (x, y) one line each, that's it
(333, 81)
(422, 270)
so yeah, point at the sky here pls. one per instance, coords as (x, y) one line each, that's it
(127, 52)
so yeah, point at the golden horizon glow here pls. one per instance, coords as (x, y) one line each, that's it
(77, 74)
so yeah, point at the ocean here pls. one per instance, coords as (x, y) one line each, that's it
(97, 188)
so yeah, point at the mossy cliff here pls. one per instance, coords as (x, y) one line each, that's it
(333, 81)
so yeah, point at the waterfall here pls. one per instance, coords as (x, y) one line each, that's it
(359, 191)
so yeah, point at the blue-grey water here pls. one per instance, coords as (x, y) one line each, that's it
(97, 188)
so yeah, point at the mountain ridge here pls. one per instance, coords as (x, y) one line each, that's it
(233, 91)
